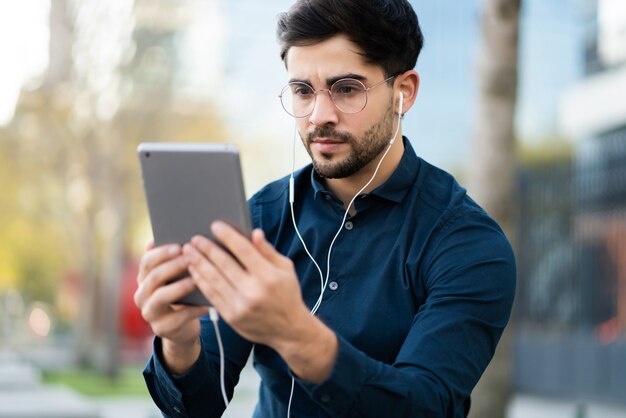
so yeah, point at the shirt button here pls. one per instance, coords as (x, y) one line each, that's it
(325, 398)
(348, 225)
(333, 285)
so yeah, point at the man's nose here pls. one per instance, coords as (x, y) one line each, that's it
(324, 110)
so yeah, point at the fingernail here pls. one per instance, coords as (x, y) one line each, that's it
(218, 227)
(174, 249)
(189, 256)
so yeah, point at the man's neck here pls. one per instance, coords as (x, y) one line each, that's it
(345, 188)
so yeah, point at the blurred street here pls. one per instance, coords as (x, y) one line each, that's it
(83, 82)
(24, 395)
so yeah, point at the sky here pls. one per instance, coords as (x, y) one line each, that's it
(550, 61)
(440, 123)
(23, 48)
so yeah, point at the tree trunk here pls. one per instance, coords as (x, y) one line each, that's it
(492, 171)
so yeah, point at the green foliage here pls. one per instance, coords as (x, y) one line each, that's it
(31, 255)
(548, 151)
(91, 383)
(72, 202)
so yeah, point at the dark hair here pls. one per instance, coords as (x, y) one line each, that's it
(387, 31)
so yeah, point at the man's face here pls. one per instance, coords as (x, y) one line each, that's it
(341, 144)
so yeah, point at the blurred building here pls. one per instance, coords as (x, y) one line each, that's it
(570, 353)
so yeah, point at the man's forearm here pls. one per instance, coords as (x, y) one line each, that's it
(310, 351)
(178, 359)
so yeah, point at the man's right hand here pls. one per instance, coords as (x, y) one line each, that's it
(177, 325)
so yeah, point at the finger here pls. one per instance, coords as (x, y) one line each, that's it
(217, 292)
(150, 245)
(267, 250)
(207, 275)
(159, 302)
(237, 244)
(205, 254)
(159, 276)
(170, 324)
(154, 257)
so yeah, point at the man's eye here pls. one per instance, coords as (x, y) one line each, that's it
(302, 91)
(346, 89)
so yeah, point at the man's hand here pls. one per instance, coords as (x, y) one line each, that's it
(177, 325)
(258, 294)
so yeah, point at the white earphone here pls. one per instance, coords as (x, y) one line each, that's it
(400, 115)
(324, 279)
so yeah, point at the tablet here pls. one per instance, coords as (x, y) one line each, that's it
(187, 187)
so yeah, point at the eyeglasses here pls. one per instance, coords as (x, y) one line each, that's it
(348, 94)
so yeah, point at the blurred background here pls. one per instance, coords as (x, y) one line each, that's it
(83, 82)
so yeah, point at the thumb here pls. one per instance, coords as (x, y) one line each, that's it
(264, 247)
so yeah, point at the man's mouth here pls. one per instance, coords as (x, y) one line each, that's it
(327, 141)
(326, 145)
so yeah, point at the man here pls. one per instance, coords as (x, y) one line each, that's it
(420, 282)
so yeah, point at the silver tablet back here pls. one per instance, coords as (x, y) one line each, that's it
(187, 187)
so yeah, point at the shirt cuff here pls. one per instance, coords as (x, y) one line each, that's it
(167, 390)
(338, 393)
(194, 379)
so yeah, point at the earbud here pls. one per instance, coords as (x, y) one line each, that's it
(400, 115)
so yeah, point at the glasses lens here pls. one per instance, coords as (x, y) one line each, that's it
(349, 95)
(298, 99)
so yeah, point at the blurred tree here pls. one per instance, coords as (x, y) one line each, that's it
(493, 165)
(27, 242)
(74, 137)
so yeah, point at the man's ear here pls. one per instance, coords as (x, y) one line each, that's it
(408, 84)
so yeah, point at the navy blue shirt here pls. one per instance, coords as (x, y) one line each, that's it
(421, 287)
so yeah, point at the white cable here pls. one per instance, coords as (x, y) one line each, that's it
(330, 248)
(215, 318)
(293, 219)
(293, 382)
(319, 269)
(345, 215)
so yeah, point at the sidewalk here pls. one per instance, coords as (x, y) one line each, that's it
(23, 395)
(528, 406)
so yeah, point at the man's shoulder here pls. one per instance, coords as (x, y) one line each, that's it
(271, 192)
(277, 190)
(448, 208)
(440, 190)
(269, 205)
(457, 218)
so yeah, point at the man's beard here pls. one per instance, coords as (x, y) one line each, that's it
(373, 142)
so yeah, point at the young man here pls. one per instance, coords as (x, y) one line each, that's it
(420, 282)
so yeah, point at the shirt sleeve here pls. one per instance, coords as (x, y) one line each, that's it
(197, 393)
(468, 276)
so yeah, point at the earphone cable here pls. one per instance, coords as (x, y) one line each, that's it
(215, 318)
(330, 248)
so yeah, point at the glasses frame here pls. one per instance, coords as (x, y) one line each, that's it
(329, 91)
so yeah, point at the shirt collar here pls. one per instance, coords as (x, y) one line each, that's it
(396, 186)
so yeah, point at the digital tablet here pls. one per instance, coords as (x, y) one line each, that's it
(187, 187)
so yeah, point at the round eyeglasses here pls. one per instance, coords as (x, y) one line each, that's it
(348, 94)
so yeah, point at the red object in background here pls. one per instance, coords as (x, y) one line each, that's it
(608, 331)
(132, 325)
